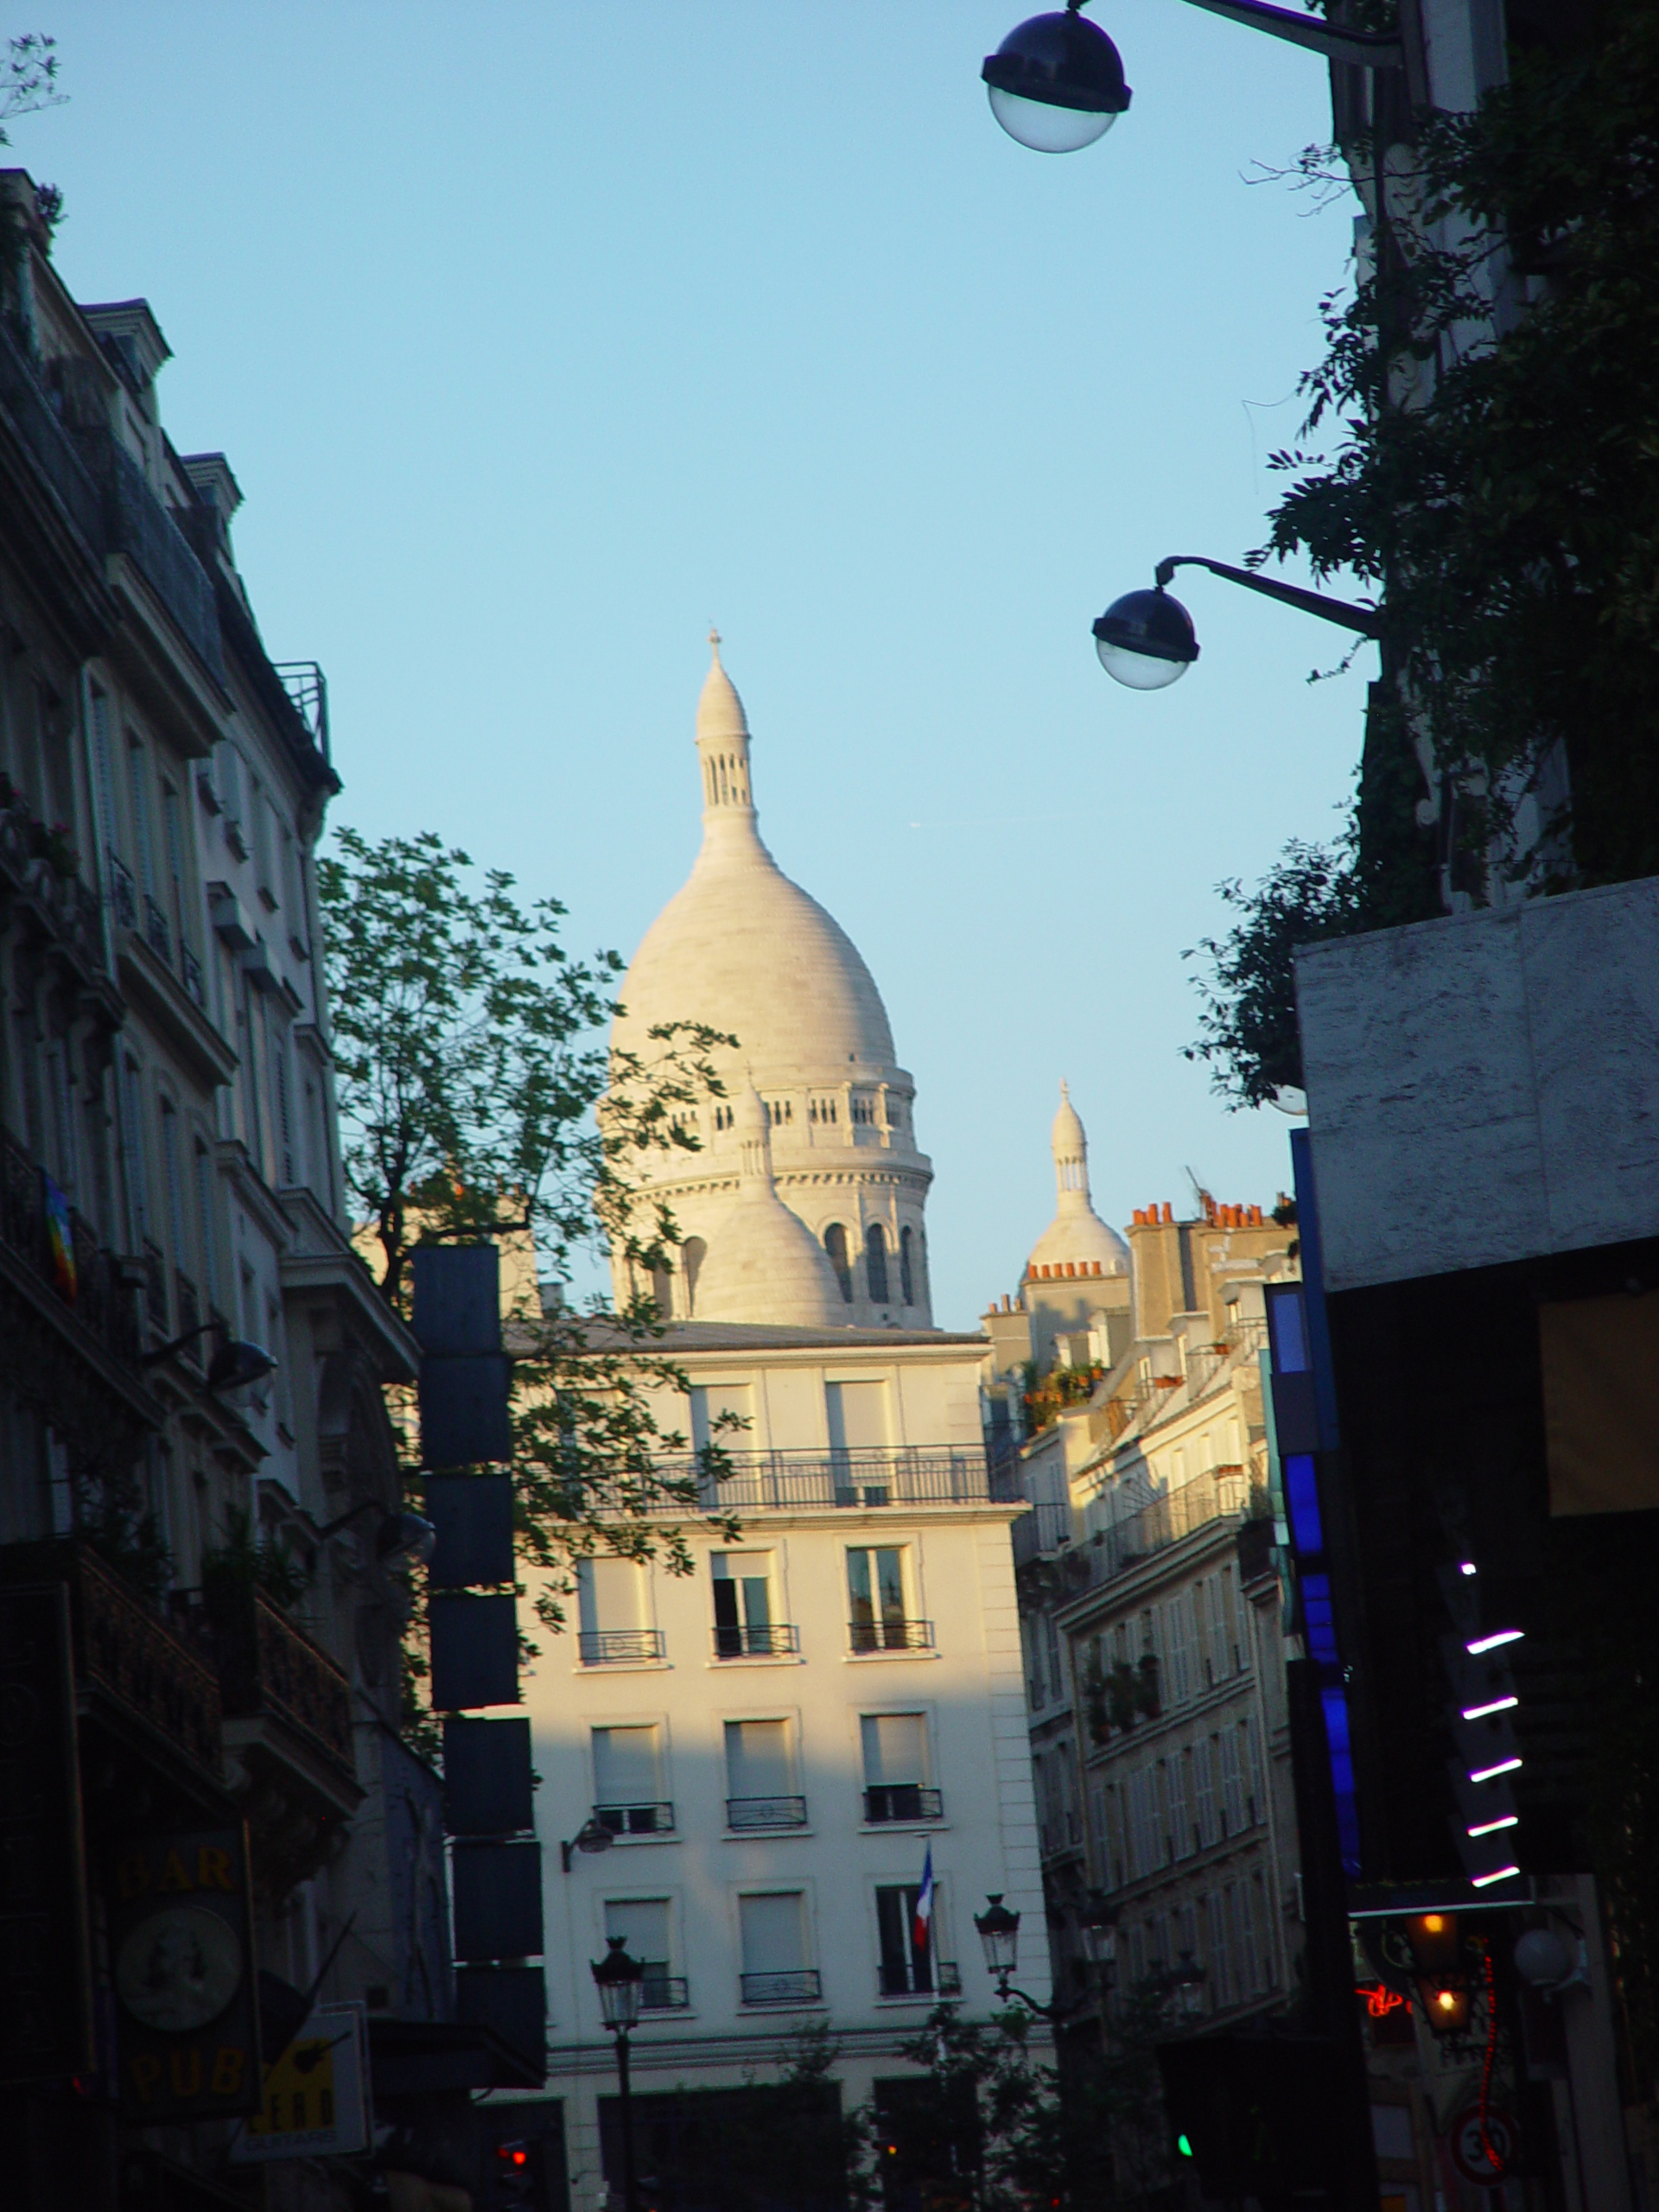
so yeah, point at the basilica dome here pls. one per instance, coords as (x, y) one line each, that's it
(743, 951)
(742, 947)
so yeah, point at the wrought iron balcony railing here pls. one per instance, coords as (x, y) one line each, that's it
(268, 1667)
(664, 1992)
(615, 1647)
(903, 1800)
(772, 1641)
(636, 1820)
(746, 1813)
(157, 935)
(891, 1634)
(1156, 1524)
(918, 1978)
(803, 1985)
(901, 1475)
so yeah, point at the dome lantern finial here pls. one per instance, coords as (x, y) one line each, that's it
(723, 747)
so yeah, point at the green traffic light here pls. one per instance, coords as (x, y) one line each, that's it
(1184, 2145)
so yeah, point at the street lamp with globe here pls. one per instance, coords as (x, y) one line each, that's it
(1146, 639)
(1056, 82)
(621, 1981)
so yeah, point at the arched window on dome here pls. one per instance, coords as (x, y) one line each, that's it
(693, 1253)
(835, 1243)
(662, 1289)
(906, 1270)
(876, 1250)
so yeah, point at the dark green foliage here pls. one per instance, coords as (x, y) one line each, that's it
(1482, 448)
(244, 1561)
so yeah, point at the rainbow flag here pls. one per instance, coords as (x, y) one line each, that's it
(61, 1236)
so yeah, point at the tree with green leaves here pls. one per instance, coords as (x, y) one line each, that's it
(1482, 448)
(477, 1100)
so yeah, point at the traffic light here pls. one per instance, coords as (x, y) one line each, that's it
(1257, 2115)
(516, 2181)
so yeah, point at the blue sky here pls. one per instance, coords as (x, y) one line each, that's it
(538, 336)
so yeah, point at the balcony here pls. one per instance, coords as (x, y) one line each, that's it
(902, 1800)
(635, 1819)
(918, 1978)
(38, 871)
(1155, 1524)
(748, 1813)
(1042, 1532)
(775, 1640)
(908, 1475)
(153, 1698)
(803, 1985)
(891, 1634)
(620, 1647)
(664, 1992)
(136, 523)
(66, 1320)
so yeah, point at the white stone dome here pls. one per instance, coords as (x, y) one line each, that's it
(1076, 1242)
(743, 949)
(763, 1260)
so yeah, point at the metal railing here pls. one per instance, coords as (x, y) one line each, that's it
(194, 982)
(158, 936)
(745, 1812)
(54, 451)
(124, 892)
(154, 1263)
(614, 1647)
(801, 1987)
(138, 525)
(891, 1634)
(1044, 1529)
(635, 1819)
(189, 1313)
(1154, 1526)
(918, 1978)
(268, 1667)
(772, 1641)
(921, 1474)
(307, 687)
(664, 1992)
(903, 1800)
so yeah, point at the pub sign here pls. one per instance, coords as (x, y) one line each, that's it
(186, 1982)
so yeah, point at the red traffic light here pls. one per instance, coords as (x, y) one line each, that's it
(513, 2154)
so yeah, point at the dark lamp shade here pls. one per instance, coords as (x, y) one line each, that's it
(1146, 639)
(1056, 84)
(619, 1979)
(999, 1932)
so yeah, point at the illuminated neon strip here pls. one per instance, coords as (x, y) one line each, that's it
(1491, 1643)
(1485, 1881)
(1498, 1704)
(1490, 1828)
(1488, 1773)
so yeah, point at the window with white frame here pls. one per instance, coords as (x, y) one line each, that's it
(629, 1796)
(879, 1613)
(763, 1787)
(747, 1626)
(1180, 1802)
(1232, 1783)
(611, 1605)
(1256, 1797)
(1204, 1791)
(772, 1938)
(908, 1964)
(898, 1767)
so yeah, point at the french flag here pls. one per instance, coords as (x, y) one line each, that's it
(922, 1925)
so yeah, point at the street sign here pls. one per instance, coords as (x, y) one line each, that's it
(1474, 2149)
(316, 2103)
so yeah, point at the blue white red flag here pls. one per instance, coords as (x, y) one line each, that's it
(922, 1927)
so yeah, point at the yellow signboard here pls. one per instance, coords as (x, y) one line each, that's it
(316, 2101)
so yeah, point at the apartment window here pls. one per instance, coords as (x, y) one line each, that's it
(1052, 1642)
(1180, 1639)
(907, 1964)
(1256, 1802)
(172, 1176)
(1147, 1842)
(879, 1612)
(1251, 1979)
(1203, 1769)
(611, 1613)
(1220, 1957)
(278, 1052)
(897, 1771)
(1232, 1784)
(722, 1413)
(858, 1416)
(138, 777)
(771, 1928)
(1180, 1804)
(1221, 1647)
(762, 1788)
(645, 1926)
(746, 1626)
(259, 823)
(204, 1181)
(103, 772)
(629, 1798)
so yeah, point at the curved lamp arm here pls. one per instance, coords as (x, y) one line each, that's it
(1367, 621)
(1367, 50)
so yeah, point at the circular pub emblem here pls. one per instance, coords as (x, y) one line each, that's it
(1483, 2156)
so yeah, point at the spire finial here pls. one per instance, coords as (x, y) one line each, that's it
(714, 639)
(1065, 1089)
